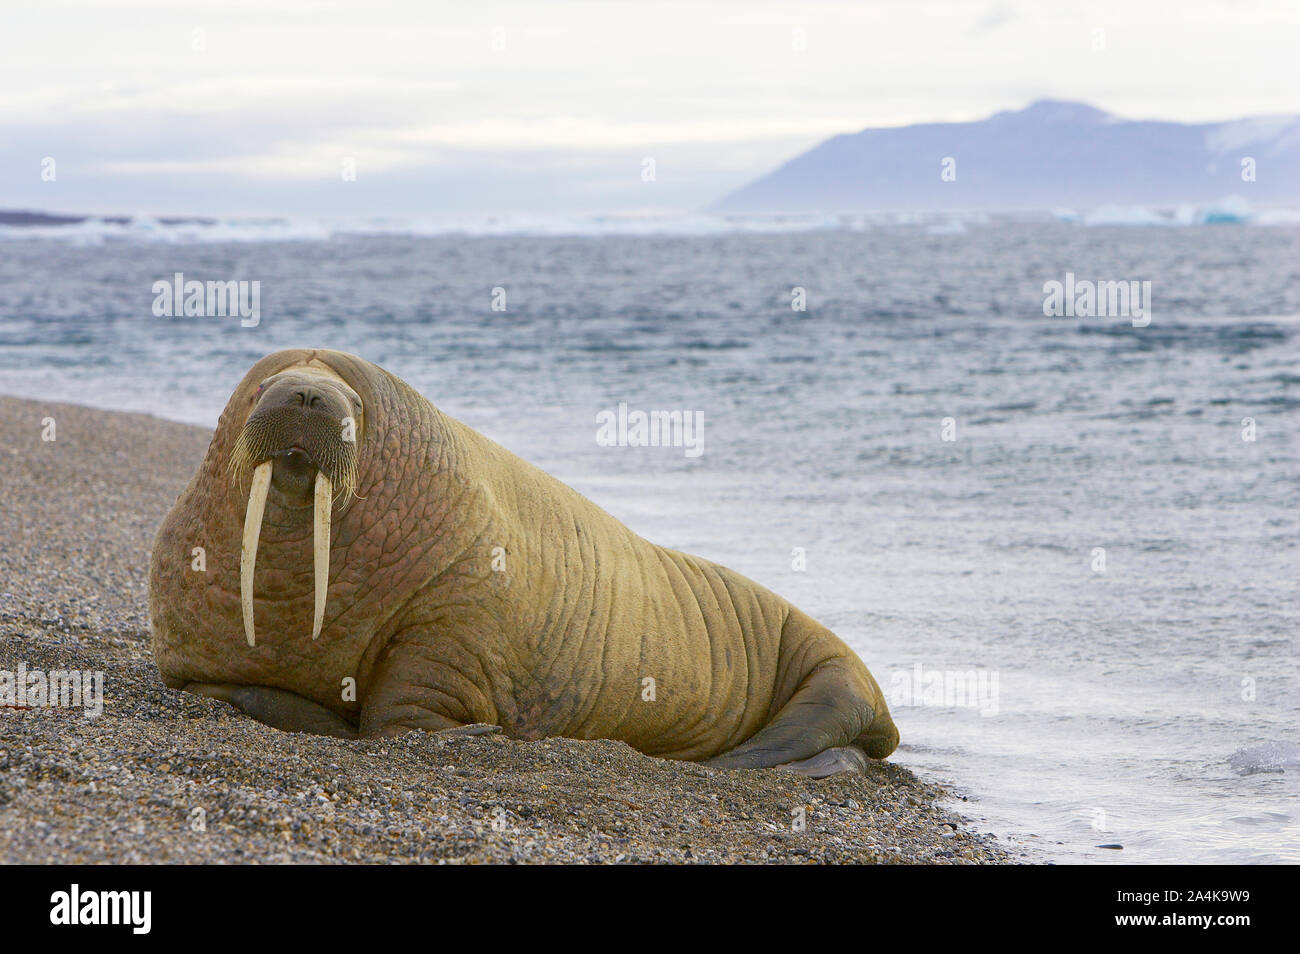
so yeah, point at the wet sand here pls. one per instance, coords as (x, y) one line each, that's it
(161, 776)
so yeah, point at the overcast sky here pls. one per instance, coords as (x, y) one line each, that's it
(255, 106)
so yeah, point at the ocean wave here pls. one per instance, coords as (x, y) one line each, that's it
(1269, 757)
(142, 229)
(1229, 210)
(152, 230)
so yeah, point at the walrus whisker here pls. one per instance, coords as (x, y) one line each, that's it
(252, 533)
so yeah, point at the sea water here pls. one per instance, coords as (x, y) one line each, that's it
(1066, 546)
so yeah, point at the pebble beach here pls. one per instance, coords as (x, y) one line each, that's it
(164, 777)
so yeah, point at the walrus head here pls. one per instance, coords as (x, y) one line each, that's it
(300, 439)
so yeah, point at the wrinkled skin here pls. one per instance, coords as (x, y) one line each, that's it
(552, 634)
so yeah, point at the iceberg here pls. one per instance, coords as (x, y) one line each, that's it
(1231, 208)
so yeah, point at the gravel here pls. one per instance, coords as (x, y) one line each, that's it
(161, 776)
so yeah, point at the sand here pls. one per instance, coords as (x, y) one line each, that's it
(161, 776)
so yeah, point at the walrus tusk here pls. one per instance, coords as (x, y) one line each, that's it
(252, 531)
(324, 499)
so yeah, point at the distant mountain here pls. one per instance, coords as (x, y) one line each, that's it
(1047, 155)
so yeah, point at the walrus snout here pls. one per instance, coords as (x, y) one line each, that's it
(301, 438)
(301, 421)
(308, 395)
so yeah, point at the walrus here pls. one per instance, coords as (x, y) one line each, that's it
(370, 566)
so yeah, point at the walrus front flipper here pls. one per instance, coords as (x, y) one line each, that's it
(278, 708)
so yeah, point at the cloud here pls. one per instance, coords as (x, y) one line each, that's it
(256, 102)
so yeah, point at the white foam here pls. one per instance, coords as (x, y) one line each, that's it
(1269, 757)
(1230, 208)
(148, 230)
(1124, 215)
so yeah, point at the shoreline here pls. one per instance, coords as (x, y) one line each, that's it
(161, 776)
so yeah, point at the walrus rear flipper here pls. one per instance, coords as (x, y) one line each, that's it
(824, 713)
(278, 708)
(834, 721)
